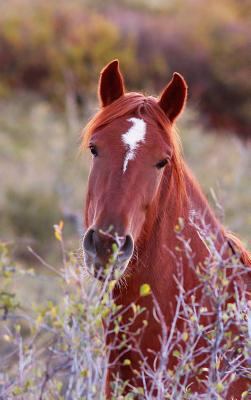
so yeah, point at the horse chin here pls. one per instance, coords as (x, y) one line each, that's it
(106, 273)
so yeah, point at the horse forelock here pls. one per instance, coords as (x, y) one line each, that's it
(148, 109)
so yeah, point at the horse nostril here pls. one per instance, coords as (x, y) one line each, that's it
(88, 242)
(127, 249)
(99, 246)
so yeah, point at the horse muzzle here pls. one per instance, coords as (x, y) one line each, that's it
(106, 254)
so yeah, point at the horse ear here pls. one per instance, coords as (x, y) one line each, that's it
(111, 84)
(173, 98)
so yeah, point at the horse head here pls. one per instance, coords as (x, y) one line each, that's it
(133, 152)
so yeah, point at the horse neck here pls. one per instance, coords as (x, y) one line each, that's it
(157, 256)
(165, 213)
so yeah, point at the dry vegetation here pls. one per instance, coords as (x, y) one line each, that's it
(60, 50)
(56, 348)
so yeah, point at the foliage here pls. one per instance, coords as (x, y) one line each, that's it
(56, 50)
(56, 348)
(23, 209)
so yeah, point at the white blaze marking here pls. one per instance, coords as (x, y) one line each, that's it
(132, 138)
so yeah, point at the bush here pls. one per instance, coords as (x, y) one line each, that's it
(56, 348)
(32, 214)
(54, 50)
(57, 50)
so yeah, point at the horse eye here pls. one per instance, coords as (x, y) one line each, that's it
(94, 150)
(161, 163)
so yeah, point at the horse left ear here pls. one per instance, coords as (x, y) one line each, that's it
(111, 84)
(173, 98)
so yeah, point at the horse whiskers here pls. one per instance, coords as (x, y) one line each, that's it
(122, 283)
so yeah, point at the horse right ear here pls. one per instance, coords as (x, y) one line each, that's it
(111, 84)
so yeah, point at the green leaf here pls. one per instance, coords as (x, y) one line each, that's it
(176, 353)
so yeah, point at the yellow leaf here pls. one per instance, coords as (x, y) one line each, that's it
(57, 234)
(219, 387)
(145, 289)
(84, 373)
(54, 312)
(7, 338)
(39, 320)
(58, 230)
(127, 362)
(112, 284)
(105, 312)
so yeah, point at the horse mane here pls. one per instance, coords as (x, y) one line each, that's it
(238, 248)
(146, 107)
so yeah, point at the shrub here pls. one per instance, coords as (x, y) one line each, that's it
(56, 348)
(57, 50)
(32, 214)
(54, 50)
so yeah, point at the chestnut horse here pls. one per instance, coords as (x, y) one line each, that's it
(139, 187)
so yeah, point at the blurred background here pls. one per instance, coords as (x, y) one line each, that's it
(51, 53)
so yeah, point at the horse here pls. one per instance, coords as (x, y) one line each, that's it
(143, 198)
